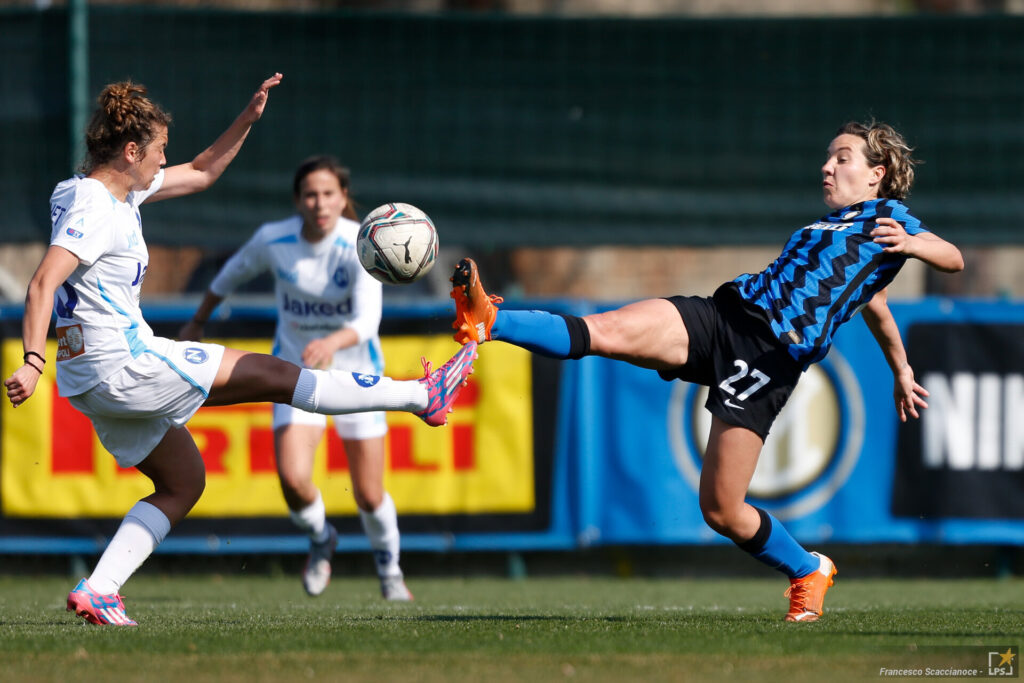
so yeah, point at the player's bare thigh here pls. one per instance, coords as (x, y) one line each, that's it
(648, 333)
(245, 377)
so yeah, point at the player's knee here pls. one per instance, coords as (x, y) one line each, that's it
(182, 494)
(193, 487)
(721, 518)
(293, 484)
(368, 500)
(608, 332)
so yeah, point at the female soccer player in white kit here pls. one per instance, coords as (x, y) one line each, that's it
(329, 311)
(139, 390)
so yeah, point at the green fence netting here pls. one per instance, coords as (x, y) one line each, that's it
(541, 131)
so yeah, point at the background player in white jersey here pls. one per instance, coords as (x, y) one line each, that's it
(329, 311)
(139, 390)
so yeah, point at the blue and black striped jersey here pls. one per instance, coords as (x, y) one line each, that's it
(827, 271)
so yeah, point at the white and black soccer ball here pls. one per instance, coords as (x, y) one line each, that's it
(397, 243)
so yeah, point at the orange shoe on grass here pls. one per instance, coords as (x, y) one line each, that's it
(475, 309)
(807, 594)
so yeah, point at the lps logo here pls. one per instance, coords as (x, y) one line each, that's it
(811, 449)
(1002, 663)
(195, 355)
(365, 380)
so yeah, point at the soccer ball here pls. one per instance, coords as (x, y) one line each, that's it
(397, 243)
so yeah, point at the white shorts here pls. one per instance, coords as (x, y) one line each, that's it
(348, 426)
(163, 387)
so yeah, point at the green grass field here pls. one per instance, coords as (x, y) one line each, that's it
(216, 628)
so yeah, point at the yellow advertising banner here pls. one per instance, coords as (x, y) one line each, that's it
(52, 464)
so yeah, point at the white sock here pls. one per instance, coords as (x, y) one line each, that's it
(381, 527)
(336, 392)
(142, 530)
(312, 519)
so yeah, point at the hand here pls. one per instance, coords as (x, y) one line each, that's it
(21, 384)
(191, 331)
(319, 354)
(892, 234)
(259, 100)
(908, 394)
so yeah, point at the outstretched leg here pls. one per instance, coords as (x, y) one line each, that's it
(650, 333)
(254, 377)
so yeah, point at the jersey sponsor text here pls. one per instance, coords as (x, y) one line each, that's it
(315, 309)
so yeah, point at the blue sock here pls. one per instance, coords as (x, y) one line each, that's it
(773, 545)
(549, 334)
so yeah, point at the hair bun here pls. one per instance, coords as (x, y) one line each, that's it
(122, 101)
(124, 114)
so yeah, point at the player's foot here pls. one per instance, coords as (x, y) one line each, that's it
(807, 594)
(475, 309)
(317, 572)
(102, 610)
(393, 588)
(444, 384)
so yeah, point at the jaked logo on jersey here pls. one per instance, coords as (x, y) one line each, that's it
(316, 309)
(365, 380)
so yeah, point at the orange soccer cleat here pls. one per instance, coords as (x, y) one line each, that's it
(475, 309)
(807, 594)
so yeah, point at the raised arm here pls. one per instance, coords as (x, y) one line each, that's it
(57, 265)
(926, 246)
(204, 170)
(907, 392)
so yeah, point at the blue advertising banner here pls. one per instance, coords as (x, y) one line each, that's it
(618, 451)
(829, 466)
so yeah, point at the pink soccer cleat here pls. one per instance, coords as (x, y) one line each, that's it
(444, 384)
(102, 610)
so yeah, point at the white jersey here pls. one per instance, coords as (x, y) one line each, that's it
(99, 324)
(319, 287)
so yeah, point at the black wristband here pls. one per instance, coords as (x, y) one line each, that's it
(32, 365)
(33, 353)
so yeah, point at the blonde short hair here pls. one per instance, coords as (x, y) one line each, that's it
(884, 146)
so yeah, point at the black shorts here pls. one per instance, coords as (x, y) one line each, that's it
(748, 371)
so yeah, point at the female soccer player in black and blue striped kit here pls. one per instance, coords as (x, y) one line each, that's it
(751, 340)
